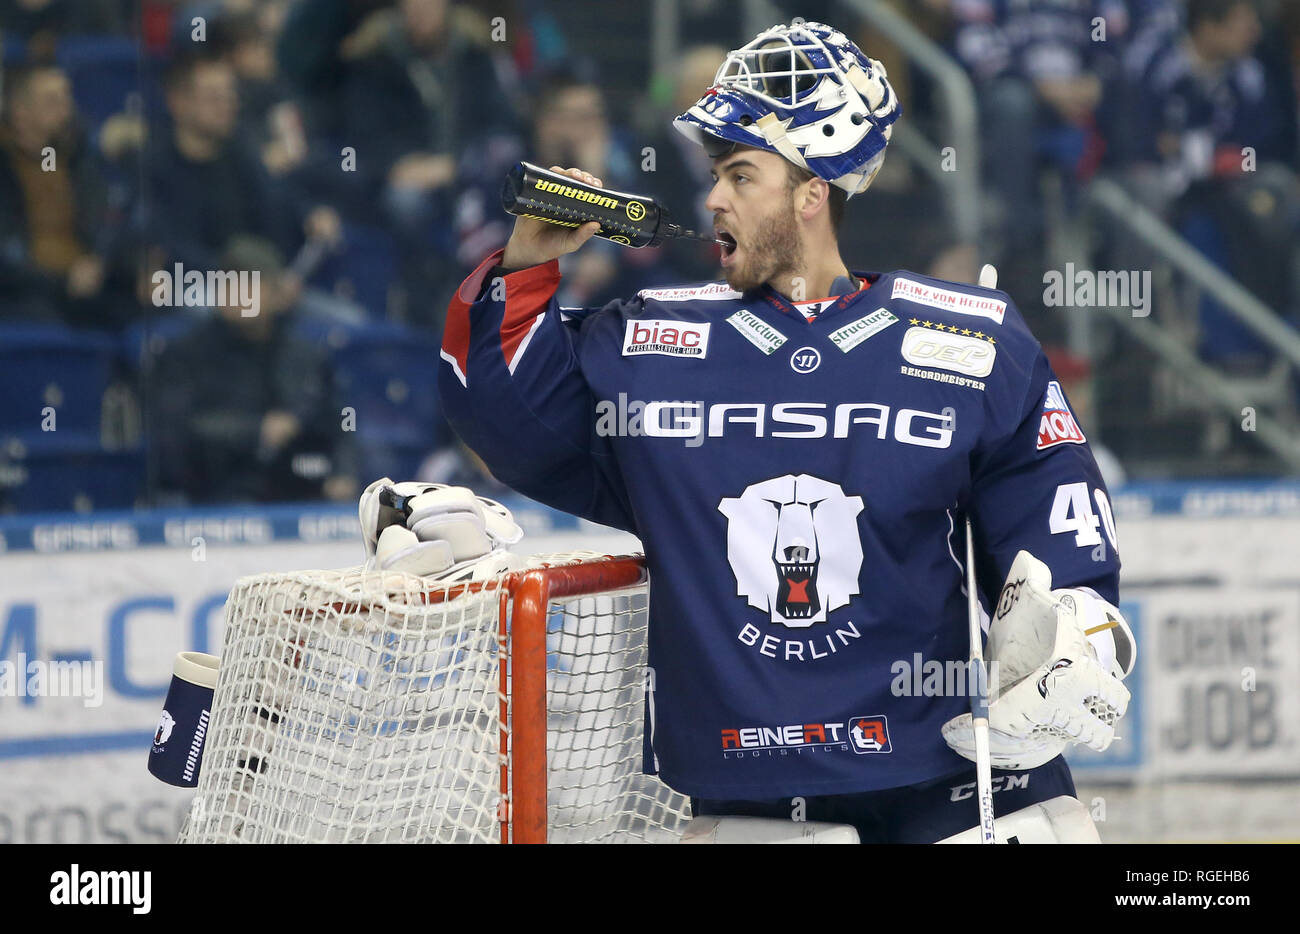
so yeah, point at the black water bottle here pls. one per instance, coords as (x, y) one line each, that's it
(631, 220)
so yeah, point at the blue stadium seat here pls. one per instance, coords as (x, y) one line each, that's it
(105, 71)
(62, 471)
(398, 461)
(53, 366)
(364, 269)
(145, 340)
(388, 373)
(13, 50)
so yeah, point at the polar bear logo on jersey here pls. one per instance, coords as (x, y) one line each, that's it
(166, 723)
(793, 545)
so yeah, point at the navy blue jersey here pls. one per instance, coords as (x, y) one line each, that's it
(800, 488)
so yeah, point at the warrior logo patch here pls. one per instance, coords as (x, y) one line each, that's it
(793, 545)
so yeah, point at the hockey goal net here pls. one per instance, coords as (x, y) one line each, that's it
(356, 706)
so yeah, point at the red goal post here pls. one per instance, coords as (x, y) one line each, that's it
(533, 592)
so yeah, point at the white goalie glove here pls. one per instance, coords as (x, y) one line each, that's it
(436, 530)
(1057, 659)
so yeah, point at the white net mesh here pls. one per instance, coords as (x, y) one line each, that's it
(365, 707)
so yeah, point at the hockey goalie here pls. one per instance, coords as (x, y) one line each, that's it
(808, 442)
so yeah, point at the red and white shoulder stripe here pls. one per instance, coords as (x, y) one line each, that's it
(525, 293)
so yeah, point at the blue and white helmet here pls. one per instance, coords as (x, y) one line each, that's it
(804, 92)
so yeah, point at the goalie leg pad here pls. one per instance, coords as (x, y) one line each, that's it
(1059, 820)
(921, 813)
(732, 829)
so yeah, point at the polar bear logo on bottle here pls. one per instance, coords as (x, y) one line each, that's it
(794, 547)
(166, 723)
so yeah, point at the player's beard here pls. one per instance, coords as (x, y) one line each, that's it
(773, 253)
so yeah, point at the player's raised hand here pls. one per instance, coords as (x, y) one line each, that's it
(533, 241)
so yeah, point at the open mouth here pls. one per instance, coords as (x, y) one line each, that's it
(728, 245)
(796, 595)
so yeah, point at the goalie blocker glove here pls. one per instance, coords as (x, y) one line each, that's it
(1056, 659)
(436, 530)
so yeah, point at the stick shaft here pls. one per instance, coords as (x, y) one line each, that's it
(979, 702)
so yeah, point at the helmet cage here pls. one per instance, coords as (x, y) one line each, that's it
(776, 69)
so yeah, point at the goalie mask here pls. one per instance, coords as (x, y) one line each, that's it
(806, 93)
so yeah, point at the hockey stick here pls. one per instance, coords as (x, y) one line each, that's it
(979, 701)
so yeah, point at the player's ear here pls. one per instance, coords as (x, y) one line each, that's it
(812, 195)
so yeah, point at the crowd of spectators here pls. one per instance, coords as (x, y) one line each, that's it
(1191, 104)
(352, 152)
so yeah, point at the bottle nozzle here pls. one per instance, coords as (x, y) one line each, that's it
(679, 232)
